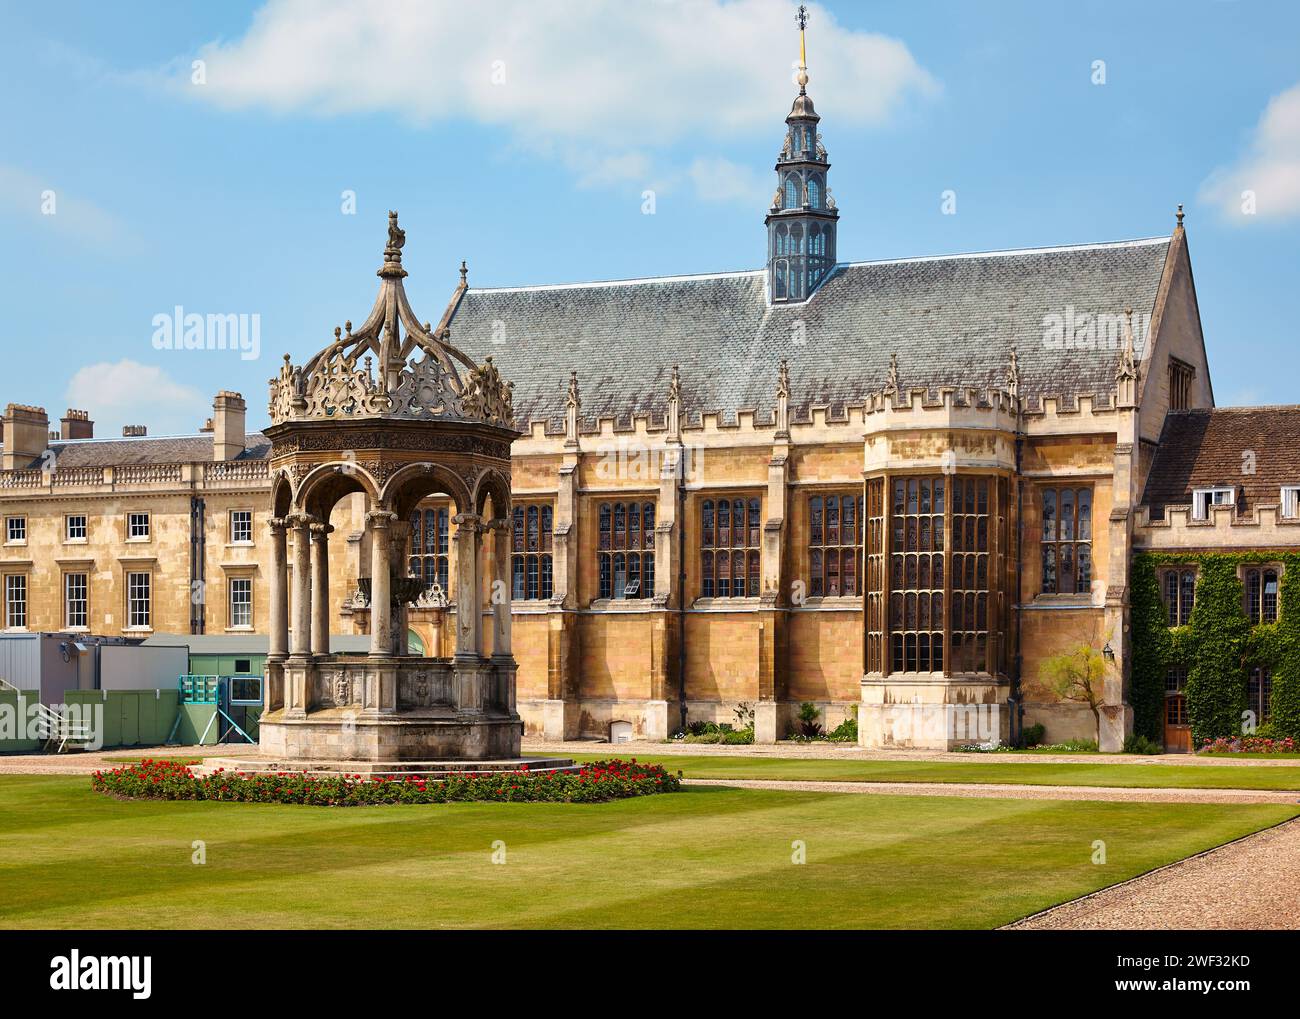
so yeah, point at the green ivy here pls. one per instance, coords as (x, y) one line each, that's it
(1216, 645)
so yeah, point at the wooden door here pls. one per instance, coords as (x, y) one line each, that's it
(1178, 729)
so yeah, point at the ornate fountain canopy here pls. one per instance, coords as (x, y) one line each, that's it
(392, 367)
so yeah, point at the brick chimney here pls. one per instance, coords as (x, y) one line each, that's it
(228, 414)
(26, 431)
(76, 424)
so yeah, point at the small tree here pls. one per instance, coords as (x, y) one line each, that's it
(1078, 675)
(808, 715)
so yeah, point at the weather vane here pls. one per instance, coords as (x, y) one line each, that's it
(802, 17)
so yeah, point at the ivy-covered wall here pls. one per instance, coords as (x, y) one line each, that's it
(1216, 646)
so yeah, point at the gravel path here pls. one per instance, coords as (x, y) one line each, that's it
(80, 763)
(88, 762)
(1249, 884)
(853, 752)
(985, 790)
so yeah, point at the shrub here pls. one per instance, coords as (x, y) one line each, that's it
(1033, 735)
(808, 724)
(592, 783)
(845, 732)
(1140, 744)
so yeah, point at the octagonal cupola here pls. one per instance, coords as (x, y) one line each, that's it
(802, 218)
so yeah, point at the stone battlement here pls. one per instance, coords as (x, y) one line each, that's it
(1265, 527)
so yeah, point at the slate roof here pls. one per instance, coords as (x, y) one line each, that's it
(161, 449)
(951, 320)
(1204, 449)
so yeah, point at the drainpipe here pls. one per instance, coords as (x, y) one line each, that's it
(1015, 702)
(681, 587)
(198, 555)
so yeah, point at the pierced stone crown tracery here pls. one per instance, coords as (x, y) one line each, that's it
(392, 367)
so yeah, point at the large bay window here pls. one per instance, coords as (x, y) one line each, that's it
(939, 604)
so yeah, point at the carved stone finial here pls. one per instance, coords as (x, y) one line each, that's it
(675, 405)
(891, 379)
(572, 404)
(783, 399)
(396, 237)
(464, 273)
(392, 267)
(1126, 370)
(1179, 215)
(1013, 374)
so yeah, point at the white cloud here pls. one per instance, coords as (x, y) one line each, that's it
(605, 78)
(44, 201)
(720, 180)
(127, 392)
(1270, 168)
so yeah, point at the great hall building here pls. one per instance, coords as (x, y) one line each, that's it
(890, 488)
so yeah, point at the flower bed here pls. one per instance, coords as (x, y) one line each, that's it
(1250, 745)
(593, 783)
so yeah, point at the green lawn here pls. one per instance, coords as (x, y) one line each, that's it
(1149, 776)
(708, 857)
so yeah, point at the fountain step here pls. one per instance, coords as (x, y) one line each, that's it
(373, 769)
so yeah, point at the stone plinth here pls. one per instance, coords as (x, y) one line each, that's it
(429, 769)
(922, 711)
(397, 709)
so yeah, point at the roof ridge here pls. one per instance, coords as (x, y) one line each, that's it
(1242, 409)
(1135, 242)
(742, 273)
(629, 281)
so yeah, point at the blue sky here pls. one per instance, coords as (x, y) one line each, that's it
(522, 136)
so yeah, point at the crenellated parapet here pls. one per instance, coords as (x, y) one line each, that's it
(1223, 528)
(893, 409)
(946, 429)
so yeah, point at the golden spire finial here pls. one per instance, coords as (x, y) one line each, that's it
(801, 18)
